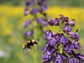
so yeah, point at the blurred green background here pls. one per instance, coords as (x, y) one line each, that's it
(11, 27)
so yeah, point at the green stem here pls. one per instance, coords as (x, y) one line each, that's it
(35, 50)
(35, 37)
(61, 45)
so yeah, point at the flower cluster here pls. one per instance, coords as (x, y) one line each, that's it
(35, 7)
(62, 46)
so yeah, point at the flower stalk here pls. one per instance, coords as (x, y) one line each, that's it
(61, 45)
(35, 36)
(38, 22)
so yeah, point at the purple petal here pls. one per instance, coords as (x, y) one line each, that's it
(27, 23)
(40, 20)
(34, 11)
(27, 34)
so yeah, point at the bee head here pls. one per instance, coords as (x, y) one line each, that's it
(34, 42)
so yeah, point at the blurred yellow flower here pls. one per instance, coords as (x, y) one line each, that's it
(5, 27)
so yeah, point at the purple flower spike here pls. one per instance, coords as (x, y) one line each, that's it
(34, 11)
(60, 44)
(66, 28)
(27, 23)
(27, 34)
(72, 22)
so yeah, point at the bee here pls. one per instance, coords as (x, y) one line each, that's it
(28, 44)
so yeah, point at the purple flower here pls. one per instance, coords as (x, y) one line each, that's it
(71, 60)
(68, 48)
(51, 22)
(34, 11)
(63, 18)
(74, 35)
(76, 61)
(79, 56)
(27, 34)
(48, 35)
(47, 56)
(72, 22)
(41, 2)
(27, 3)
(49, 48)
(43, 8)
(66, 28)
(57, 21)
(58, 58)
(26, 11)
(32, 2)
(52, 42)
(40, 20)
(27, 23)
(54, 22)
(63, 40)
(76, 45)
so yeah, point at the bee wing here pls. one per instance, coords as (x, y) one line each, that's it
(35, 43)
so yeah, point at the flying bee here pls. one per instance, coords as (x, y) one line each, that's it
(28, 44)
